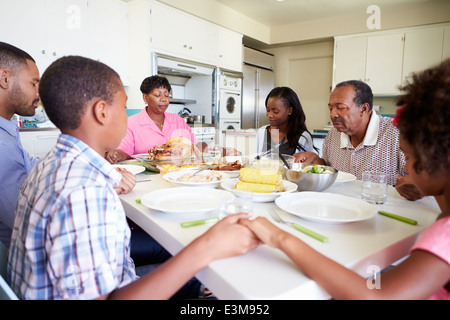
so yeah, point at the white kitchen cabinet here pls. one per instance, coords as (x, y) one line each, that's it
(350, 59)
(108, 36)
(230, 50)
(23, 25)
(384, 63)
(50, 29)
(384, 59)
(423, 49)
(185, 37)
(38, 142)
(376, 60)
(46, 29)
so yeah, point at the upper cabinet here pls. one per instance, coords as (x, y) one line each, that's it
(384, 60)
(108, 35)
(176, 33)
(230, 50)
(179, 34)
(50, 29)
(423, 49)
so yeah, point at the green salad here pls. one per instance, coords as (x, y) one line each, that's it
(317, 168)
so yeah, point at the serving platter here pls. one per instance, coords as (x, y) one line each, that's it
(172, 177)
(288, 187)
(326, 207)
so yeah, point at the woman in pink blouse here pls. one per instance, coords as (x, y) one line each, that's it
(153, 126)
(425, 140)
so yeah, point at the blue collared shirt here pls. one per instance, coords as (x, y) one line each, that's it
(15, 164)
(70, 238)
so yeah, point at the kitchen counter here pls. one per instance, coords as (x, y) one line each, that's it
(37, 129)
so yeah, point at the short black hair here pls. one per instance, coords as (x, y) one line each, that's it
(150, 83)
(70, 83)
(13, 58)
(363, 92)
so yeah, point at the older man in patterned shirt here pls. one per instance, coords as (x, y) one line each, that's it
(362, 140)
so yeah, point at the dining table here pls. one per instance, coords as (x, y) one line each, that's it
(265, 273)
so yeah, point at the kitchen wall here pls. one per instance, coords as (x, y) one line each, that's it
(308, 70)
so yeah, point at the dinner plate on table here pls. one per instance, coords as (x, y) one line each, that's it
(288, 187)
(344, 177)
(132, 168)
(173, 177)
(326, 207)
(186, 200)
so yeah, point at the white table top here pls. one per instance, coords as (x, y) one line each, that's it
(267, 273)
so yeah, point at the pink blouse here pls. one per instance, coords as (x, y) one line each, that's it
(143, 134)
(436, 240)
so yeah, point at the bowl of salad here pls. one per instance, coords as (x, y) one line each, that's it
(311, 177)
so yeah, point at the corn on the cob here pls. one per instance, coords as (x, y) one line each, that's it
(257, 187)
(254, 175)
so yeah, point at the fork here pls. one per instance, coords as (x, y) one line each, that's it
(298, 227)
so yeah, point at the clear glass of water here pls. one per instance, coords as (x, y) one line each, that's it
(374, 187)
(243, 203)
(212, 154)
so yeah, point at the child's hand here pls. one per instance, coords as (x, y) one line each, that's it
(127, 183)
(228, 238)
(265, 230)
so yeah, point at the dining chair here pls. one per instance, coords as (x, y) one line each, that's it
(5, 291)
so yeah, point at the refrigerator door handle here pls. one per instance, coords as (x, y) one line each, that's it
(257, 81)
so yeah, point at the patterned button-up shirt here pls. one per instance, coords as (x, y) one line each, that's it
(70, 238)
(379, 151)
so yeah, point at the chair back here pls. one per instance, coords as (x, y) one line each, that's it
(5, 291)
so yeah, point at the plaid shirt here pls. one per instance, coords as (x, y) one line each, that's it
(379, 151)
(70, 238)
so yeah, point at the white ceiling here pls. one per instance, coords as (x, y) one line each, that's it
(272, 13)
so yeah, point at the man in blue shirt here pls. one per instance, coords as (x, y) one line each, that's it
(19, 84)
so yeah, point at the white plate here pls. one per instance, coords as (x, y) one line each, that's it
(344, 177)
(288, 187)
(230, 173)
(326, 207)
(133, 169)
(173, 176)
(186, 199)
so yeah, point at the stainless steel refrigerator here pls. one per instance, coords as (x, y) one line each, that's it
(258, 81)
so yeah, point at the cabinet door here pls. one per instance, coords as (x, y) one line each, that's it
(423, 49)
(384, 63)
(178, 34)
(350, 59)
(108, 35)
(67, 28)
(230, 50)
(23, 25)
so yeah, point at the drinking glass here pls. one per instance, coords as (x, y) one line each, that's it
(242, 203)
(212, 154)
(374, 187)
